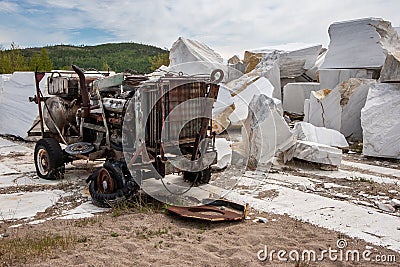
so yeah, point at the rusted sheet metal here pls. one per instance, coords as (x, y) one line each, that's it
(217, 211)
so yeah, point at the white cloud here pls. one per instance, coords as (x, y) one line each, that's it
(6, 6)
(227, 26)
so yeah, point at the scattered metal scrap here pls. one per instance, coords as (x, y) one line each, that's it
(215, 211)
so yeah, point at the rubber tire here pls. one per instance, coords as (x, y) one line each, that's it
(56, 158)
(198, 178)
(126, 187)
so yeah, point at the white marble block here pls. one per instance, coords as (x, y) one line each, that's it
(325, 110)
(330, 78)
(193, 57)
(265, 131)
(391, 69)
(224, 153)
(242, 100)
(308, 132)
(269, 68)
(380, 121)
(222, 108)
(292, 63)
(17, 113)
(360, 44)
(353, 96)
(294, 95)
(317, 153)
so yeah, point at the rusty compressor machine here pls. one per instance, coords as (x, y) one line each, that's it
(130, 122)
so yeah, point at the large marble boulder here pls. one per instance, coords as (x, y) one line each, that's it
(269, 68)
(330, 78)
(353, 94)
(324, 109)
(360, 44)
(222, 108)
(224, 153)
(291, 63)
(193, 57)
(321, 135)
(294, 95)
(380, 121)
(17, 113)
(242, 100)
(236, 68)
(317, 153)
(313, 72)
(232, 105)
(265, 132)
(391, 69)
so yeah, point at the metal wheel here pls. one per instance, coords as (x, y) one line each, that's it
(49, 159)
(42, 161)
(111, 184)
(105, 183)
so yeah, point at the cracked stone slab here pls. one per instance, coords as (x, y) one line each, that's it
(27, 204)
(317, 153)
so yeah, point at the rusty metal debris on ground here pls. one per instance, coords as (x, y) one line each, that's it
(215, 211)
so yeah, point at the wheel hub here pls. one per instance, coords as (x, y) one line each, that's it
(105, 183)
(79, 148)
(43, 161)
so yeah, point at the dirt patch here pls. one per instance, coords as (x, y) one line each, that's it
(267, 194)
(154, 239)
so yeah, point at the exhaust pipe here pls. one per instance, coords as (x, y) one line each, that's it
(84, 92)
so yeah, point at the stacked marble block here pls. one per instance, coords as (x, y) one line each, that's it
(360, 77)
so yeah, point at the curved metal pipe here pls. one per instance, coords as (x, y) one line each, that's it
(84, 91)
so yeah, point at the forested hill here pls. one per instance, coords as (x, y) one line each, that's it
(115, 56)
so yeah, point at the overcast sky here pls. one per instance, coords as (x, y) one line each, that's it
(229, 27)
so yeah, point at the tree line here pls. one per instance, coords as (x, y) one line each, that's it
(13, 60)
(133, 57)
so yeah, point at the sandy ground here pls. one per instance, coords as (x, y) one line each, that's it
(158, 239)
(299, 200)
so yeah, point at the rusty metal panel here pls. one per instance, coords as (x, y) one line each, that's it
(216, 211)
(176, 92)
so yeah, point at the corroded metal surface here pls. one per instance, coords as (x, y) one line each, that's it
(219, 210)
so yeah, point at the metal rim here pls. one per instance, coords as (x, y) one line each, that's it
(79, 148)
(42, 161)
(105, 183)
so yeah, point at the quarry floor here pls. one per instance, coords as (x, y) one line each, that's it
(301, 206)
